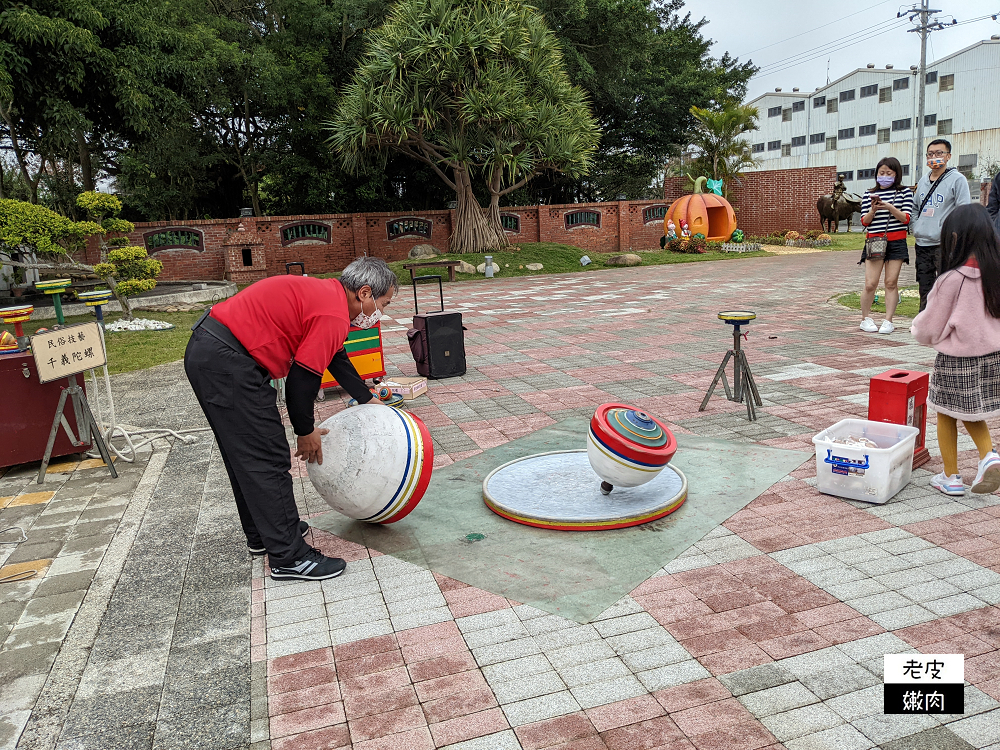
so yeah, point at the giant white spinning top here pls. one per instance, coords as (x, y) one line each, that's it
(377, 462)
(571, 490)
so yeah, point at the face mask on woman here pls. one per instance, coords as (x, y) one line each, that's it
(885, 180)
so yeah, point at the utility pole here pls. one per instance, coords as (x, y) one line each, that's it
(922, 83)
(927, 25)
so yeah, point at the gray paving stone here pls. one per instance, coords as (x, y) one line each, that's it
(979, 730)
(798, 722)
(540, 708)
(894, 619)
(937, 738)
(597, 671)
(776, 700)
(563, 658)
(505, 651)
(842, 737)
(756, 679)
(227, 726)
(516, 669)
(505, 740)
(680, 673)
(608, 691)
(845, 679)
(524, 687)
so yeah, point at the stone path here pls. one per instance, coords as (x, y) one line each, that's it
(767, 633)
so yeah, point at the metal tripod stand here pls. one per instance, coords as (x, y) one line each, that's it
(85, 423)
(744, 386)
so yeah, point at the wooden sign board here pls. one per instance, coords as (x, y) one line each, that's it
(67, 351)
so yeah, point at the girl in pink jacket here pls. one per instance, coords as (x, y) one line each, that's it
(962, 322)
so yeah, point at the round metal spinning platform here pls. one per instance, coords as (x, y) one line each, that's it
(559, 490)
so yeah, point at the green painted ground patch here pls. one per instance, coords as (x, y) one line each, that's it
(573, 574)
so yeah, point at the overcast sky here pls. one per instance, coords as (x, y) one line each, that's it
(792, 40)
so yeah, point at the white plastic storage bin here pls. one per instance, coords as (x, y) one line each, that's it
(872, 475)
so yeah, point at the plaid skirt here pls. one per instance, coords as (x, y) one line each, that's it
(966, 388)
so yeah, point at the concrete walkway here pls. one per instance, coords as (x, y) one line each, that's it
(150, 627)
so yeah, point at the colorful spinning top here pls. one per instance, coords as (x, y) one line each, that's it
(377, 463)
(627, 447)
(55, 287)
(96, 299)
(7, 342)
(17, 315)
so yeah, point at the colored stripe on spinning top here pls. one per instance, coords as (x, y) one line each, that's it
(630, 425)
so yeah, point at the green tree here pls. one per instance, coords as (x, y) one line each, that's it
(475, 89)
(643, 64)
(717, 135)
(33, 236)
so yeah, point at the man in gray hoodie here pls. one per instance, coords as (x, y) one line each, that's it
(937, 194)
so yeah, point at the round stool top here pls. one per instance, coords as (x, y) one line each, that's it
(16, 314)
(95, 298)
(737, 316)
(53, 286)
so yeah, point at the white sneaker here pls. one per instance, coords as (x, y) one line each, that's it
(948, 485)
(886, 327)
(988, 476)
(868, 325)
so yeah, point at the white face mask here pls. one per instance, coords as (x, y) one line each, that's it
(367, 321)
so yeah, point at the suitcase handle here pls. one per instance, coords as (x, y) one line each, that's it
(288, 267)
(424, 278)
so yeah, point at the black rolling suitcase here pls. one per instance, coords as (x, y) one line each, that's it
(437, 339)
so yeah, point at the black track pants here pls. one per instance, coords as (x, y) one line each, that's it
(236, 395)
(928, 265)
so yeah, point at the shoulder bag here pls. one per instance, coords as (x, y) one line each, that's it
(875, 246)
(923, 203)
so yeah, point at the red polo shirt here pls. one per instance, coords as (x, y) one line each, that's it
(285, 319)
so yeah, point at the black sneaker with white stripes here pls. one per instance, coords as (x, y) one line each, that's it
(258, 547)
(314, 566)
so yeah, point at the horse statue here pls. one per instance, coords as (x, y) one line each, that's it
(833, 210)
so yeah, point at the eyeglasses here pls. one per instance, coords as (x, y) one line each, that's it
(936, 154)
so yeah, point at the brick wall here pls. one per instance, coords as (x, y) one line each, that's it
(764, 201)
(773, 200)
(620, 227)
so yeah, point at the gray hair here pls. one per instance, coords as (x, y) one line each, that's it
(371, 272)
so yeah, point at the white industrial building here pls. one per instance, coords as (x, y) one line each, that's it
(871, 112)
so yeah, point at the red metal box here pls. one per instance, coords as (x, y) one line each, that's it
(900, 397)
(27, 408)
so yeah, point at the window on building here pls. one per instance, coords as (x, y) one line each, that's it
(944, 127)
(773, 111)
(883, 135)
(931, 77)
(831, 106)
(869, 90)
(901, 84)
(758, 148)
(966, 163)
(831, 144)
(930, 120)
(906, 170)
(799, 106)
(773, 145)
(902, 124)
(946, 83)
(799, 140)
(819, 101)
(817, 138)
(845, 133)
(867, 129)
(847, 96)
(848, 176)
(885, 95)
(583, 219)
(786, 149)
(786, 114)
(866, 174)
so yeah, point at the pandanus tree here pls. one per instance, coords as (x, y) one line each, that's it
(476, 89)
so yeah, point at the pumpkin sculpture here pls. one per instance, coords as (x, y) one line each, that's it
(705, 213)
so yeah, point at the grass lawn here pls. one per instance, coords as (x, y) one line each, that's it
(555, 258)
(847, 241)
(907, 308)
(135, 350)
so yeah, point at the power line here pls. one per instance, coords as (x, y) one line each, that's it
(796, 36)
(838, 44)
(835, 43)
